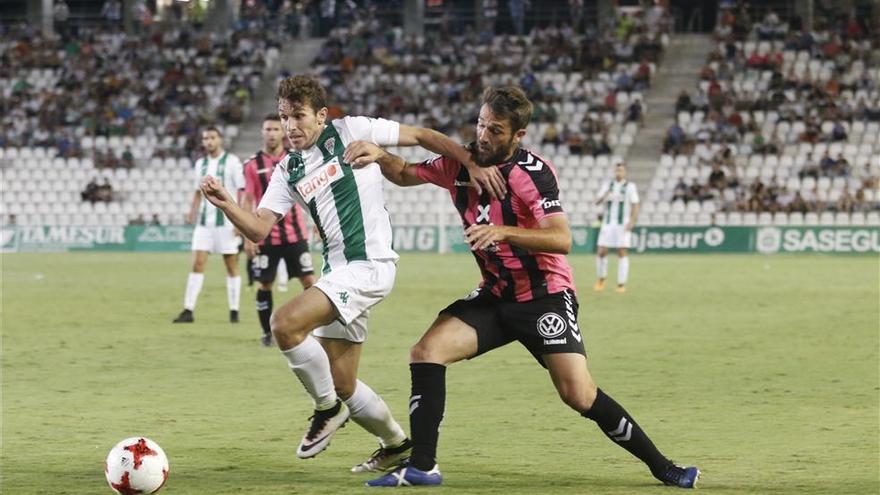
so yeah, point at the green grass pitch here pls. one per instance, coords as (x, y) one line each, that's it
(761, 370)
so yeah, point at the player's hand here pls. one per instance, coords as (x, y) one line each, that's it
(629, 226)
(190, 218)
(361, 153)
(488, 178)
(216, 193)
(483, 236)
(250, 248)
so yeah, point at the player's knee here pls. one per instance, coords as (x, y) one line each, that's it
(579, 399)
(288, 328)
(423, 352)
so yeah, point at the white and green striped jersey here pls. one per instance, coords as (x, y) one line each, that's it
(346, 205)
(618, 204)
(228, 170)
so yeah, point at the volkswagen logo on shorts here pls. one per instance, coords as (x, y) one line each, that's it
(550, 325)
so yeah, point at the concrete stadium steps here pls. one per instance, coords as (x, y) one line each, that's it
(295, 58)
(679, 70)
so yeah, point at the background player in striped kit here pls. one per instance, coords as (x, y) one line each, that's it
(320, 331)
(527, 293)
(621, 201)
(213, 232)
(288, 242)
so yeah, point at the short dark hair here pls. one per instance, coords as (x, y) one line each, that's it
(213, 128)
(272, 116)
(303, 89)
(511, 103)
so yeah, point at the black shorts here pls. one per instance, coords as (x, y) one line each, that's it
(296, 256)
(547, 325)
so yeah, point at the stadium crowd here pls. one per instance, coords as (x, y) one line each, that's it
(372, 69)
(784, 119)
(161, 86)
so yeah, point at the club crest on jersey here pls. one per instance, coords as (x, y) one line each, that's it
(551, 325)
(296, 168)
(319, 179)
(330, 145)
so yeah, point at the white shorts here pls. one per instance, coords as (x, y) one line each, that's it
(216, 240)
(615, 236)
(354, 289)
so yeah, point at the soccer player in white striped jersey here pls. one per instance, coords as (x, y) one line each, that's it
(213, 233)
(621, 201)
(321, 330)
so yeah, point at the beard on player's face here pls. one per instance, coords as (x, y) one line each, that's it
(487, 155)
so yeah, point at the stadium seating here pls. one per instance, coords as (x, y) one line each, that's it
(399, 86)
(774, 139)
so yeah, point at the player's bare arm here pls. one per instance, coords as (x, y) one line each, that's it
(194, 207)
(437, 142)
(256, 226)
(552, 236)
(633, 216)
(603, 197)
(393, 167)
(247, 204)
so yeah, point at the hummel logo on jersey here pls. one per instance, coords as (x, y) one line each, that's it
(330, 145)
(548, 203)
(343, 296)
(319, 179)
(618, 435)
(462, 183)
(538, 164)
(483, 213)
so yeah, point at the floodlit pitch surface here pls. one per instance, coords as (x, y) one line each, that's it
(761, 370)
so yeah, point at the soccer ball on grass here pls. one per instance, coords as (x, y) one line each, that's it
(136, 465)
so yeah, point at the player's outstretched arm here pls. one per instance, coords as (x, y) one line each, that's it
(254, 226)
(394, 168)
(437, 142)
(553, 235)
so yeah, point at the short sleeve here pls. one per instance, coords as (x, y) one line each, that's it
(603, 189)
(632, 193)
(381, 132)
(237, 174)
(538, 189)
(440, 171)
(278, 198)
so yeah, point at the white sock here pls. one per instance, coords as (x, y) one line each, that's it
(602, 267)
(193, 287)
(622, 270)
(281, 274)
(233, 292)
(310, 364)
(372, 414)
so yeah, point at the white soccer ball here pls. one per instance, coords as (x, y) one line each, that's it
(136, 465)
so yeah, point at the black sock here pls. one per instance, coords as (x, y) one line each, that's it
(621, 428)
(426, 406)
(250, 271)
(264, 309)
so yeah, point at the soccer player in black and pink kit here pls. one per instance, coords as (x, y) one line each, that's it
(288, 239)
(527, 293)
